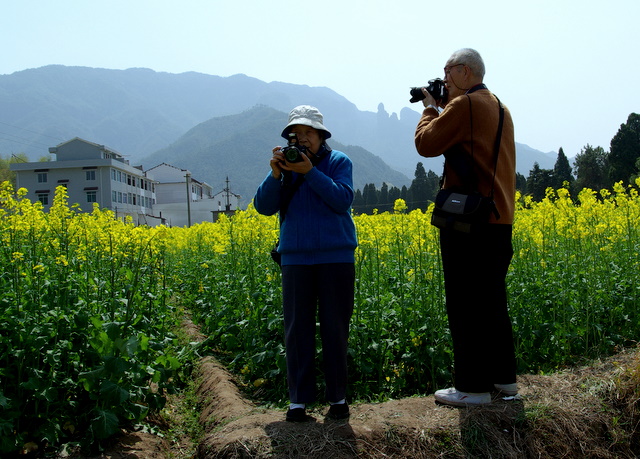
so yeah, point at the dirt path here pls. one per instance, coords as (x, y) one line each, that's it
(557, 416)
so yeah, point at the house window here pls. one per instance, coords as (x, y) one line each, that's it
(91, 196)
(91, 175)
(42, 177)
(114, 196)
(43, 198)
(119, 196)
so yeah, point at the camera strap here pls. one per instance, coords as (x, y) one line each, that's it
(289, 189)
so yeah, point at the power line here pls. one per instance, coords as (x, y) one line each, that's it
(29, 130)
(31, 142)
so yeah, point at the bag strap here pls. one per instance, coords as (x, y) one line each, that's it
(496, 145)
(288, 192)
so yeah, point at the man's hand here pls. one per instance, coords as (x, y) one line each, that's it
(428, 99)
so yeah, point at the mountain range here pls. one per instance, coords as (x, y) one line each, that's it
(217, 127)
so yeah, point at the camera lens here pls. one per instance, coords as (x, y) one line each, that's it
(416, 95)
(292, 154)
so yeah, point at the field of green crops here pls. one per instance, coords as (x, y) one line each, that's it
(91, 306)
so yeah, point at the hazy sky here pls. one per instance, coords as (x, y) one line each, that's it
(567, 69)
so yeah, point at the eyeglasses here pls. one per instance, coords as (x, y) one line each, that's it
(447, 70)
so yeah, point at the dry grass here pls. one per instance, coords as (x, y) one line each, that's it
(585, 412)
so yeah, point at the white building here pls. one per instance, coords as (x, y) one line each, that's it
(175, 184)
(91, 173)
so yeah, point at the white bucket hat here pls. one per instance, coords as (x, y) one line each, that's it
(307, 116)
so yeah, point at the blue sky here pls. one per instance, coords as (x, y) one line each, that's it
(568, 70)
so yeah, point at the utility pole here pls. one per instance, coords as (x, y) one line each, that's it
(188, 180)
(228, 205)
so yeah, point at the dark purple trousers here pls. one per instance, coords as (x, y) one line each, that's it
(317, 293)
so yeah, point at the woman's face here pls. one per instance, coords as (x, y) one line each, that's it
(308, 137)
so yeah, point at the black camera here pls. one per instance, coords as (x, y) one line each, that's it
(436, 88)
(293, 151)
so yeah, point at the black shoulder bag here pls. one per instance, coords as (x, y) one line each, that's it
(467, 212)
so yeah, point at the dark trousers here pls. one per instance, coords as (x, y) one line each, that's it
(475, 267)
(327, 292)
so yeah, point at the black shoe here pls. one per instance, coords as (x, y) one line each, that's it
(338, 411)
(296, 415)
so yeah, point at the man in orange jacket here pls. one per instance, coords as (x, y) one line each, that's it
(463, 128)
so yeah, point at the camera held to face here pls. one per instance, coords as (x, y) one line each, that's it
(293, 151)
(436, 88)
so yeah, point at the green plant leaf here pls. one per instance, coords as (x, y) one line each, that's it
(104, 424)
(113, 394)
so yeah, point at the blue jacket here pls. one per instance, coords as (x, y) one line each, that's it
(318, 227)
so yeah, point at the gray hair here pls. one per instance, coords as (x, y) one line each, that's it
(469, 57)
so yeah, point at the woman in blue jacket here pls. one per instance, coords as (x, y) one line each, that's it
(317, 244)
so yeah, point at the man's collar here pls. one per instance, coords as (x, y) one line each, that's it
(477, 88)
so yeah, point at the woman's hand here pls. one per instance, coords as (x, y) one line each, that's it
(276, 163)
(279, 164)
(300, 167)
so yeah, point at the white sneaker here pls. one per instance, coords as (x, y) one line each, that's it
(454, 397)
(507, 389)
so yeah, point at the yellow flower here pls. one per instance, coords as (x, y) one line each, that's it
(62, 260)
(399, 206)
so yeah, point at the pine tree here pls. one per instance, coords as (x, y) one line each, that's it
(521, 183)
(394, 194)
(358, 202)
(538, 181)
(625, 150)
(419, 190)
(562, 171)
(370, 196)
(383, 199)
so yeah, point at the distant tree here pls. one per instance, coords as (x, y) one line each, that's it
(6, 174)
(394, 193)
(521, 183)
(591, 166)
(404, 193)
(625, 150)
(433, 185)
(562, 171)
(383, 199)
(635, 176)
(538, 181)
(419, 190)
(370, 196)
(358, 202)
